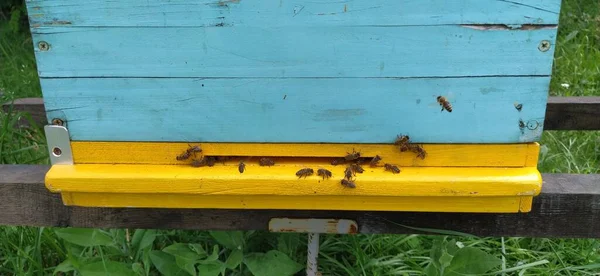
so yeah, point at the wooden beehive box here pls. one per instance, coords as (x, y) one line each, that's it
(138, 82)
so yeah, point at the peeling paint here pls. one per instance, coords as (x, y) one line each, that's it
(487, 27)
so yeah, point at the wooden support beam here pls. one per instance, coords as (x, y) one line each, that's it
(562, 113)
(567, 207)
(573, 113)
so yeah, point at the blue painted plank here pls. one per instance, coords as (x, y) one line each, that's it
(355, 110)
(280, 13)
(271, 51)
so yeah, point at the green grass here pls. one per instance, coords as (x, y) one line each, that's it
(37, 251)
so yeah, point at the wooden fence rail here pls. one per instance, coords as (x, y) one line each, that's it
(568, 206)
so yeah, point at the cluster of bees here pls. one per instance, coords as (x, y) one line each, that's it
(353, 159)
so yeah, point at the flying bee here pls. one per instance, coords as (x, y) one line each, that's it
(392, 168)
(421, 153)
(304, 172)
(374, 161)
(356, 168)
(241, 167)
(266, 162)
(352, 156)
(348, 183)
(324, 173)
(402, 141)
(184, 156)
(348, 173)
(444, 103)
(338, 161)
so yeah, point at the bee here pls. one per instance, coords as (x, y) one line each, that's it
(194, 149)
(374, 161)
(184, 156)
(304, 172)
(421, 153)
(394, 169)
(352, 156)
(348, 183)
(444, 103)
(402, 141)
(356, 168)
(324, 173)
(266, 162)
(338, 161)
(196, 163)
(210, 160)
(348, 173)
(241, 167)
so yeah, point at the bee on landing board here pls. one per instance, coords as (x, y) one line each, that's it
(348, 183)
(304, 172)
(444, 103)
(352, 156)
(241, 167)
(374, 161)
(392, 168)
(421, 153)
(402, 141)
(348, 173)
(266, 162)
(356, 168)
(194, 149)
(338, 161)
(184, 156)
(324, 173)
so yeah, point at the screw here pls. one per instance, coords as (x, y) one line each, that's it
(544, 45)
(532, 124)
(43, 46)
(58, 122)
(56, 151)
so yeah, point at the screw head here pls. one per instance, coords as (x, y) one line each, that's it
(544, 45)
(532, 124)
(58, 122)
(43, 46)
(56, 151)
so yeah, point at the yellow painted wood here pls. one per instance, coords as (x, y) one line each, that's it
(281, 180)
(526, 202)
(439, 155)
(414, 189)
(505, 204)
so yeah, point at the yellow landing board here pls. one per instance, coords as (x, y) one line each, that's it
(438, 155)
(441, 189)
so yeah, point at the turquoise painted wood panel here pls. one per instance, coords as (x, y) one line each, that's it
(334, 110)
(272, 51)
(204, 13)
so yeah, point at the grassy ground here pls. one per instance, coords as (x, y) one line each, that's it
(38, 251)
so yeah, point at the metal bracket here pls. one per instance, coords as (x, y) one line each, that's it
(59, 145)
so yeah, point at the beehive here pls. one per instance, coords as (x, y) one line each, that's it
(138, 82)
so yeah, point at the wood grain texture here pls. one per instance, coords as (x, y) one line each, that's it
(362, 110)
(566, 200)
(207, 13)
(573, 113)
(33, 107)
(277, 52)
(438, 155)
(553, 120)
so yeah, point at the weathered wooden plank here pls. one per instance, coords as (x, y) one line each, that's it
(553, 119)
(573, 113)
(289, 13)
(290, 52)
(355, 110)
(34, 107)
(566, 200)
